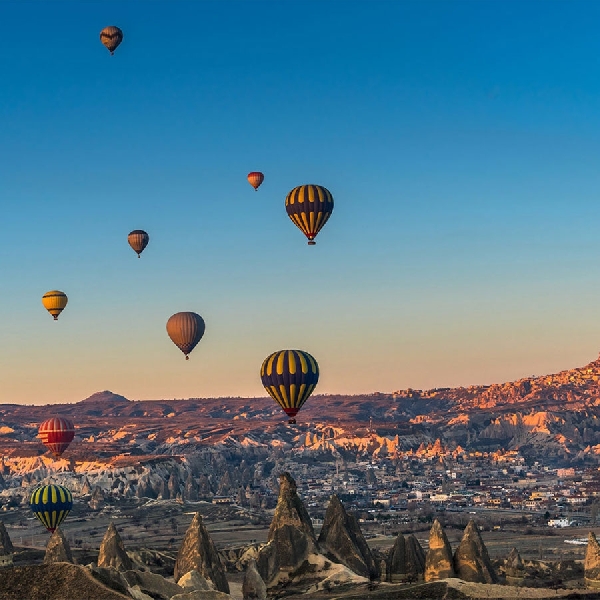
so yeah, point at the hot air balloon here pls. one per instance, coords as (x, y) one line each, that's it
(56, 434)
(309, 207)
(111, 37)
(290, 376)
(54, 302)
(51, 504)
(255, 179)
(138, 240)
(185, 330)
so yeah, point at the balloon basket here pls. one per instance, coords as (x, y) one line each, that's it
(292, 422)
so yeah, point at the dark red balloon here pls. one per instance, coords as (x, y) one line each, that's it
(56, 434)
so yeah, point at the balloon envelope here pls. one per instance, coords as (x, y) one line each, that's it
(138, 239)
(185, 330)
(309, 207)
(51, 504)
(111, 37)
(54, 302)
(56, 434)
(255, 178)
(290, 376)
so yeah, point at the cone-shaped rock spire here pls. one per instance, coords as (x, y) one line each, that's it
(406, 561)
(342, 539)
(438, 562)
(6, 546)
(514, 568)
(112, 551)
(198, 552)
(254, 587)
(592, 562)
(58, 549)
(471, 559)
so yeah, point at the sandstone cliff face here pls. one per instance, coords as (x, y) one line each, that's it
(291, 536)
(253, 587)
(592, 562)
(342, 540)
(112, 551)
(471, 559)
(438, 562)
(198, 552)
(6, 546)
(406, 560)
(58, 548)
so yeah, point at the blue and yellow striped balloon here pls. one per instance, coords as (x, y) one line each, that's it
(309, 207)
(51, 504)
(290, 376)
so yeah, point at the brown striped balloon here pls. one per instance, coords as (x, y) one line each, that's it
(185, 330)
(138, 240)
(111, 37)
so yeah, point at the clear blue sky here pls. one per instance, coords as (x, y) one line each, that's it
(460, 140)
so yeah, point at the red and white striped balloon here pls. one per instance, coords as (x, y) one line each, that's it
(56, 434)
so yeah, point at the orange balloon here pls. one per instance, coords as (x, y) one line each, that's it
(255, 178)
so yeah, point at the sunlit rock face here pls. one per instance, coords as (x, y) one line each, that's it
(342, 539)
(198, 552)
(112, 551)
(58, 548)
(438, 562)
(471, 559)
(291, 535)
(592, 562)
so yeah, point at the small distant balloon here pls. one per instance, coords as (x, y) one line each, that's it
(290, 376)
(54, 302)
(111, 37)
(56, 434)
(309, 207)
(51, 504)
(185, 330)
(138, 240)
(255, 178)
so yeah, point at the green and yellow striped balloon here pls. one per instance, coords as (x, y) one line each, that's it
(51, 504)
(290, 376)
(309, 207)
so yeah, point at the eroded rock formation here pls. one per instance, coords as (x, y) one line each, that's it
(471, 559)
(198, 552)
(6, 546)
(438, 562)
(406, 561)
(514, 568)
(112, 551)
(58, 548)
(291, 536)
(592, 562)
(342, 540)
(253, 587)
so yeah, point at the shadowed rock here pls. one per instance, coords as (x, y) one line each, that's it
(6, 546)
(291, 536)
(342, 540)
(198, 552)
(471, 559)
(112, 551)
(97, 500)
(514, 568)
(438, 562)
(406, 561)
(197, 595)
(253, 588)
(58, 549)
(151, 584)
(592, 562)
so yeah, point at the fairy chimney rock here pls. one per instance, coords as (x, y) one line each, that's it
(406, 560)
(291, 535)
(198, 552)
(514, 567)
(471, 559)
(253, 587)
(342, 540)
(6, 546)
(592, 562)
(438, 562)
(112, 551)
(58, 549)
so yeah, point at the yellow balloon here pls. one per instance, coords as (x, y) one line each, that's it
(54, 302)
